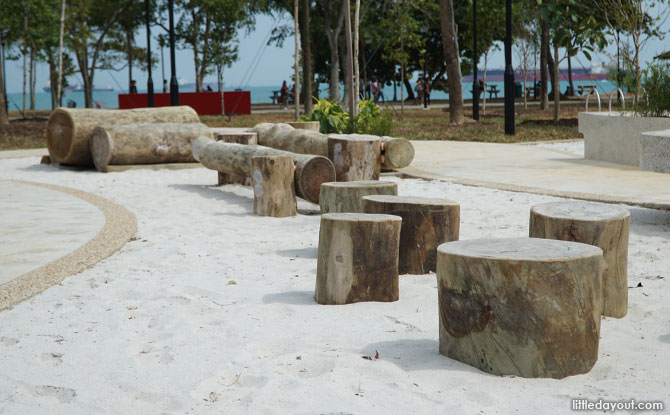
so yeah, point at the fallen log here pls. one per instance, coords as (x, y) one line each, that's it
(284, 137)
(69, 130)
(144, 143)
(240, 137)
(396, 153)
(232, 158)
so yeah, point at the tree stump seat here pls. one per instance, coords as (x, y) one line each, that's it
(526, 307)
(358, 258)
(355, 157)
(426, 223)
(343, 197)
(274, 193)
(605, 226)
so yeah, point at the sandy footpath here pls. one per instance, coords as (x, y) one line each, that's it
(210, 310)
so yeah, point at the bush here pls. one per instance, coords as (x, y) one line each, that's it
(333, 119)
(656, 89)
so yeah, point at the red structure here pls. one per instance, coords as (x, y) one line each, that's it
(204, 103)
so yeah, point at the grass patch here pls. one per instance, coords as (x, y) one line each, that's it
(23, 134)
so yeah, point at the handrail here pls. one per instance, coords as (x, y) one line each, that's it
(623, 102)
(587, 99)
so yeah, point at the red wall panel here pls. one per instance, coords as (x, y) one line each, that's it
(204, 103)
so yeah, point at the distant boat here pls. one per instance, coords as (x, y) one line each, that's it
(80, 88)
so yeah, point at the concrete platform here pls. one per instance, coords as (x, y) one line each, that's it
(532, 169)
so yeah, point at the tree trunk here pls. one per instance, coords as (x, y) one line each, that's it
(129, 56)
(396, 153)
(274, 194)
(551, 64)
(426, 223)
(486, 61)
(151, 143)
(355, 157)
(410, 91)
(358, 258)
(572, 86)
(333, 34)
(69, 130)
(357, 74)
(557, 88)
(4, 118)
(306, 40)
(451, 54)
(311, 170)
(523, 307)
(544, 47)
(604, 226)
(346, 197)
(32, 79)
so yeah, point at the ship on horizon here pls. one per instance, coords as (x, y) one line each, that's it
(79, 88)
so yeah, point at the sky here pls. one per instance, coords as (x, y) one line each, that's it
(272, 67)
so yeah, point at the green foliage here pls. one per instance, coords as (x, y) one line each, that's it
(656, 86)
(333, 119)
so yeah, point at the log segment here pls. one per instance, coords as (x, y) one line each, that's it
(426, 223)
(284, 137)
(396, 153)
(355, 157)
(605, 226)
(525, 307)
(272, 178)
(358, 258)
(144, 143)
(247, 138)
(306, 125)
(311, 171)
(342, 197)
(69, 130)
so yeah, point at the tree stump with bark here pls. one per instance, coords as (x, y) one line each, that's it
(274, 194)
(426, 223)
(358, 258)
(151, 143)
(526, 307)
(343, 197)
(246, 138)
(355, 157)
(69, 130)
(306, 125)
(602, 225)
(396, 153)
(311, 171)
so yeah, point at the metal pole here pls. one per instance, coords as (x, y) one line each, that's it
(174, 86)
(509, 72)
(150, 82)
(475, 83)
(296, 92)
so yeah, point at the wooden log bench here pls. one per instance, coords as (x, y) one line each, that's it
(246, 138)
(426, 223)
(358, 258)
(305, 125)
(526, 307)
(343, 197)
(602, 225)
(274, 194)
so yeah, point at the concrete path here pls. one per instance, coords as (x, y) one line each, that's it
(532, 169)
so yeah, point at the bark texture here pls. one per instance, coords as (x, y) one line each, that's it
(358, 258)
(305, 125)
(524, 307)
(396, 153)
(311, 170)
(604, 226)
(274, 194)
(355, 157)
(152, 143)
(451, 55)
(285, 137)
(426, 223)
(247, 138)
(69, 130)
(343, 197)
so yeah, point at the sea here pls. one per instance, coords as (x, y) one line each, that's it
(262, 94)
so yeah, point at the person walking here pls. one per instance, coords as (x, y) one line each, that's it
(283, 94)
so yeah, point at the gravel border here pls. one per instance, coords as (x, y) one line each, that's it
(120, 226)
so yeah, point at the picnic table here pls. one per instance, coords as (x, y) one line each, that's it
(493, 89)
(275, 97)
(581, 89)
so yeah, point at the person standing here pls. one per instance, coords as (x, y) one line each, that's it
(283, 95)
(133, 87)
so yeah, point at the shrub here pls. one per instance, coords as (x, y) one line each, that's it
(333, 119)
(330, 115)
(656, 88)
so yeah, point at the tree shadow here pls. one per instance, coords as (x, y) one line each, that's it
(215, 193)
(291, 297)
(649, 222)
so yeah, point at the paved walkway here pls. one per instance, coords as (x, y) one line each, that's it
(533, 169)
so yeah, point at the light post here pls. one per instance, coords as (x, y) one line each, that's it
(150, 82)
(509, 71)
(174, 86)
(475, 83)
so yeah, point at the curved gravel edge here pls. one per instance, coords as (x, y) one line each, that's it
(120, 226)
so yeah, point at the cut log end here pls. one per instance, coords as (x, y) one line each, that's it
(398, 153)
(313, 174)
(102, 147)
(60, 130)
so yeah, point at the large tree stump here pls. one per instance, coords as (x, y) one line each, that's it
(523, 307)
(342, 197)
(247, 138)
(272, 178)
(396, 153)
(144, 143)
(306, 125)
(233, 158)
(355, 157)
(605, 226)
(69, 130)
(358, 258)
(426, 223)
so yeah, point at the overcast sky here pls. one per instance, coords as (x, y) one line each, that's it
(273, 66)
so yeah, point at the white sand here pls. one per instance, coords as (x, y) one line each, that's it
(157, 329)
